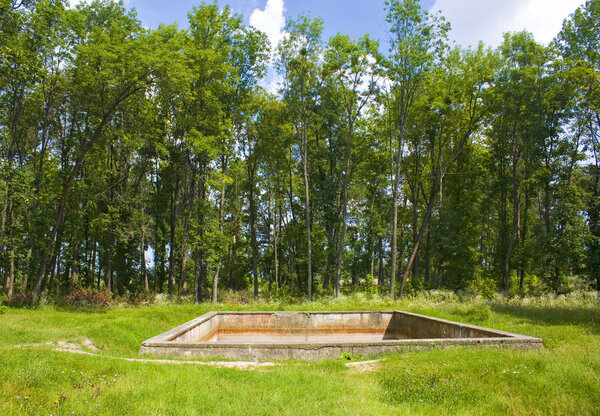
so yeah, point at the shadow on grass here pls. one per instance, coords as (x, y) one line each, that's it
(553, 315)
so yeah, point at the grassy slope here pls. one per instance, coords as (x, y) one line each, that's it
(564, 378)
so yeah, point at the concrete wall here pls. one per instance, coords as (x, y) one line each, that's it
(203, 331)
(412, 326)
(301, 322)
(400, 331)
(320, 352)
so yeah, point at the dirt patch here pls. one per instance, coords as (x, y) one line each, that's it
(74, 348)
(223, 364)
(68, 345)
(89, 345)
(19, 346)
(363, 366)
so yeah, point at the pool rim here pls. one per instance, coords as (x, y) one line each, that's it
(166, 339)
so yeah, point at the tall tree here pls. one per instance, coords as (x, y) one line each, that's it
(417, 43)
(350, 68)
(298, 64)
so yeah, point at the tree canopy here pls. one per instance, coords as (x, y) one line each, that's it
(137, 160)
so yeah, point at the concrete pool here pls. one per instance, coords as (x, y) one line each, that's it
(320, 335)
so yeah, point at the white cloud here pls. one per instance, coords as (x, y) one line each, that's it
(487, 20)
(270, 20)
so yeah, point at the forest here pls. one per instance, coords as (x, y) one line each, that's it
(137, 160)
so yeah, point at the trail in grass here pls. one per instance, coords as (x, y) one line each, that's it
(73, 348)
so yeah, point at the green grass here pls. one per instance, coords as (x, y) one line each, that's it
(561, 379)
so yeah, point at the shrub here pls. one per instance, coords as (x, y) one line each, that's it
(20, 300)
(82, 297)
(243, 297)
(144, 298)
(479, 312)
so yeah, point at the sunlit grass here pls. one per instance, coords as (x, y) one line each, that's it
(562, 378)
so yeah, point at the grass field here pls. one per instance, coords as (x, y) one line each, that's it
(561, 379)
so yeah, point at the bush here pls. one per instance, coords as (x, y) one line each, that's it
(20, 300)
(144, 298)
(479, 312)
(242, 298)
(86, 298)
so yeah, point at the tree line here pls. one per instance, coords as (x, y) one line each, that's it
(136, 160)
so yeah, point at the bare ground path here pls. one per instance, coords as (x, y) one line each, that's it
(74, 348)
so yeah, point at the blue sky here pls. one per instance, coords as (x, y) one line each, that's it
(472, 20)
(351, 17)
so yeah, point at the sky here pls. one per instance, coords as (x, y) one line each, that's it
(472, 20)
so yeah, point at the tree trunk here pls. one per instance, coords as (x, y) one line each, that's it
(340, 259)
(304, 154)
(74, 266)
(380, 273)
(3, 216)
(275, 248)
(54, 265)
(233, 266)
(371, 231)
(143, 256)
(254, 242)
(92, 265)
(293, 247)
(428, 254)
(394, 241)
(108, 272)
(197, 278)
(199, 256)
(10, 281)
(524, 232)
(415, 222)
(215, 283)
(516, 209)
(173, 225)
(187, 190)
(416, 244)
(62, 204)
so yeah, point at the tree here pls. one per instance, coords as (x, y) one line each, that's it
(102, 80)
(579, 43)
(298, 64)
(349, 66)
(416, 48)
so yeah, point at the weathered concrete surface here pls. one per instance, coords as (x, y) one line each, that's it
(320, 335)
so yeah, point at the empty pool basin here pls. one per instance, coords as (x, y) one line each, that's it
(320, 335)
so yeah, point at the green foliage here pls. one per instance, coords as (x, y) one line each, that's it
(136, 161)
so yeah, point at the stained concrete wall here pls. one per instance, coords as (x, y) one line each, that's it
(400, 331)
(320, 352)
(204, 330)
(412, 326)
(391, 325)
(290, 323)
